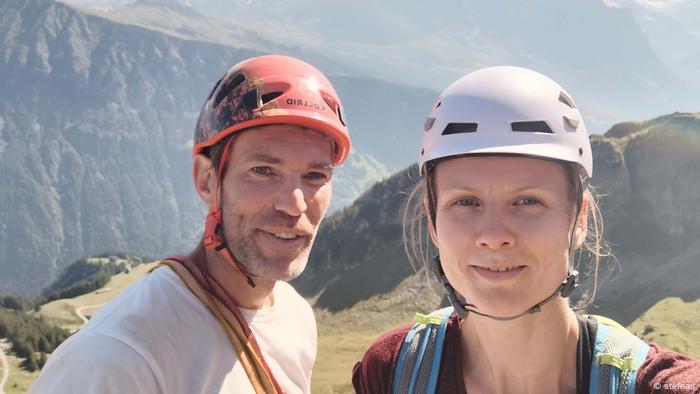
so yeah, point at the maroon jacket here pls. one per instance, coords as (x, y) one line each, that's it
(664, 371)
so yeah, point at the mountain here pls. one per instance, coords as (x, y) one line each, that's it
(648, 176)
(673, 31)
(612, 59)
(358, 252)
(384, 113)
(96, 119)
(97, 107)
(672, 27)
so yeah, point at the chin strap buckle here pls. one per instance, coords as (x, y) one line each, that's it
(569, 284)
(212, 241)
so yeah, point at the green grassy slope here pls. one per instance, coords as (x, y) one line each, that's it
(62, 312)
(673, 323)
(345, 335)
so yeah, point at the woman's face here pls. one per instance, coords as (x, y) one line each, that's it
(503, 229)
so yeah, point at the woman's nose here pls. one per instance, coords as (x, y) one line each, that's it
(493, 232)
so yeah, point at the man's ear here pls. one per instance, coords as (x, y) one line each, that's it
(582, 223)
(204, 178)
(431, 225)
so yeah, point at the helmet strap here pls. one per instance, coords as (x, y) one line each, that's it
(214, 238)
(460, 304)
(463, 308)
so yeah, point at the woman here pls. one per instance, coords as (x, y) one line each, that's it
(504, 160)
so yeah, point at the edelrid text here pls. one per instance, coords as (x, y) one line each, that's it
(305, 103)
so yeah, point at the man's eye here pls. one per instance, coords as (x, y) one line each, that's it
(262, 170)
(316, 175)
(467, 202)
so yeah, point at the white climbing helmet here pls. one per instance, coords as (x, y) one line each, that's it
(506, 110)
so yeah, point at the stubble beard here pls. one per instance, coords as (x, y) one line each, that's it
(240, 238)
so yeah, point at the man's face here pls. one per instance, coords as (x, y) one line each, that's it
(276, 190)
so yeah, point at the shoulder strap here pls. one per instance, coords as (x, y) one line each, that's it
(617, 355)
(418, 364)
(233, 324)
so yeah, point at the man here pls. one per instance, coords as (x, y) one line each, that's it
(223, 319)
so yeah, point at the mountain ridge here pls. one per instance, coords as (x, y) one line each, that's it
(96, 124)
(648, 211)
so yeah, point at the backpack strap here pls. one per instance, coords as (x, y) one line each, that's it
(418, 364)
(617, 356)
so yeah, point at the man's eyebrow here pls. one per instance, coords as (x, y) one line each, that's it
(264, 158)
(321, 165)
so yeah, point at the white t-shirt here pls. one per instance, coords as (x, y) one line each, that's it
(157, 337)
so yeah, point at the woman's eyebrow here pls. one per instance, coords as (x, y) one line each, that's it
(530, 188)
(468, 189)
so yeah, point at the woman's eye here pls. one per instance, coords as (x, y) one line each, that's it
(528, 201)
(262, 170)
(467, 202)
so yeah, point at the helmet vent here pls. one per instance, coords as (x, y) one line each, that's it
(564, 98)
(341, 116)
(215, 87)
(267, 97)
(439, 103)
(237, 80)
(250, 99)
(428, 124)
(458, 128)
(228, 87)
(532, 127)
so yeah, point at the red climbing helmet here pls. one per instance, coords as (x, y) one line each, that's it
(272, 89)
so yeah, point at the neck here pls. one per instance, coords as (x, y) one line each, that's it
(532, 354)
(258, 297)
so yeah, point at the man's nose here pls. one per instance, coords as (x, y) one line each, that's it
(291, 199)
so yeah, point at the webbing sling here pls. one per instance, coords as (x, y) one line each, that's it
(419, 359)
(234, 325)
(617, 355)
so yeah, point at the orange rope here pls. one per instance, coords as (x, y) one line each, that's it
(252, 363)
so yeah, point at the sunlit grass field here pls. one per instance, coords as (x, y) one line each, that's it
(344, 336)
(62, 312)
(672, 323)
(343, 339)
(18, 380)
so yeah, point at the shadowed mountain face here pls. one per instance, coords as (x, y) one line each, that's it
(648, 174)
(358, 252)
(651, 183)
(96, 119)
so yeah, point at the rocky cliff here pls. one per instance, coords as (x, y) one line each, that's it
(96, 119)
(648, 177)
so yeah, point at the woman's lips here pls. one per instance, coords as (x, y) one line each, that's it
(498, 273)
